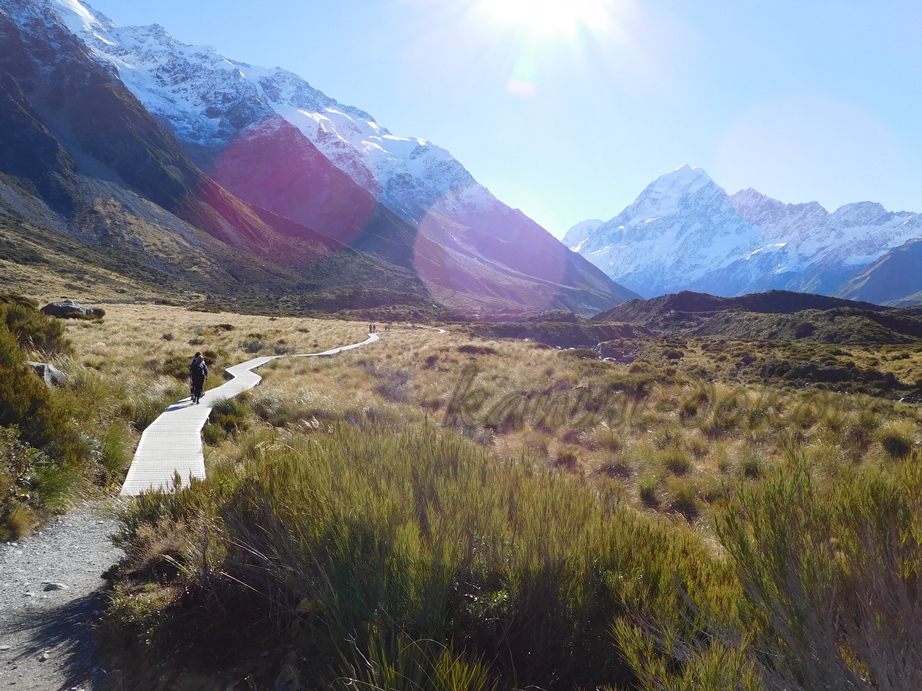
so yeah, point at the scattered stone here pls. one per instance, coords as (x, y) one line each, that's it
(48, 585)
(43, 657)
(289, 679)
(51, 375)
(4, 647)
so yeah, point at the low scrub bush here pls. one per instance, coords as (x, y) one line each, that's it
(675, 460)
(253, 346)
(366, 542)
(898, 438)
(145, 403)
(32, 329)
(682, 498)
(231, 414)
(470, 349)
(827, 578)
(647, 491)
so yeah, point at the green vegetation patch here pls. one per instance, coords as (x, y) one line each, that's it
(366, 545)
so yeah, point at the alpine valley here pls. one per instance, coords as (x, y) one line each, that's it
(132, 163)
(684, 232)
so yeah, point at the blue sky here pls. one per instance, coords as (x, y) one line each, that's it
(568, 109)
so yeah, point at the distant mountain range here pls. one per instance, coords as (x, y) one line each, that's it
(684, 232)
(212, 175)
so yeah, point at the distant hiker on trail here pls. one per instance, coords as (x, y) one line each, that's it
(198, 370)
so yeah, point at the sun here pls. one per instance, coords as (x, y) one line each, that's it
(548, 18)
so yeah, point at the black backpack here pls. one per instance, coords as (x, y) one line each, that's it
(198, 367)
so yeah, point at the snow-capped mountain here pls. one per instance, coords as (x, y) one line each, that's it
(210, 100)
(581, 231)
(675, 234)
(273, 140)
(685, 233)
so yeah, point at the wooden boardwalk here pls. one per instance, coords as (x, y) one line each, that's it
(172, 444)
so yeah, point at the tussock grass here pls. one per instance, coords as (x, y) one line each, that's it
(433, 511)
(375, 535)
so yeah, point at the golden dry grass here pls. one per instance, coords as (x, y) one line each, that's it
(670, 450)
(133, 334)
(682, 436)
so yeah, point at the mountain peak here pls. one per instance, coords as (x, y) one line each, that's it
(670, 192)
(684, 180)
(79, 17)
(683, 175)
(748, 196)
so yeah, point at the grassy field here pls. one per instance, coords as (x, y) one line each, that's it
(437, 511)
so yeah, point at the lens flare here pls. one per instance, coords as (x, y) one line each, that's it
(549, 18)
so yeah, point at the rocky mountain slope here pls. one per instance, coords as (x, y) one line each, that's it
(684, 232)
(897, 273)
(82, 157)
(272, 140)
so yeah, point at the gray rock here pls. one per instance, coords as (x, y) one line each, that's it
(289, 679)
(68, 309)
(50, 374)
(47, 585)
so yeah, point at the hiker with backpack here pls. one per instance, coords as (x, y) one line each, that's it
(198, 370)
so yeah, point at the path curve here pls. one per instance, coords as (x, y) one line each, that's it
(172, 444)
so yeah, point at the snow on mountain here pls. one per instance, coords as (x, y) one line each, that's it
(271, 139)
(209, 100)
(821, 247)
(578, 234)
(684, 233)
(679, 229)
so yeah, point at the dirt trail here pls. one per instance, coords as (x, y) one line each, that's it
(51, 599)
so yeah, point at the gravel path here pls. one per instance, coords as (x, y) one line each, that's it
(50, 596)
(50, 599)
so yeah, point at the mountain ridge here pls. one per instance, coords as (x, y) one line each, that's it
(95, 137)
(763, 244)
(217, 106)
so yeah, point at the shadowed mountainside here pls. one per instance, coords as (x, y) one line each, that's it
(775, 315)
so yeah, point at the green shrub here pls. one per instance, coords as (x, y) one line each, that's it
(398, 662)
(176, 367)
(675, 460)
(607, 438)
(368, 542)
(898, 438)
(682, 498)
(27, 402)
(32, 482)
(115, 448)
(646, 490)
(727, 414)
(212, 434)
(827, 591)
(145, 404)
(32, 329)
(751, 464)
(231, 414)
